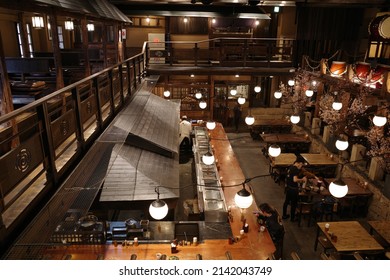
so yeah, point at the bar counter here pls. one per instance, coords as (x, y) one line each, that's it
(253, 245)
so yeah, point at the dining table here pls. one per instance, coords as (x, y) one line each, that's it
(382, 229)
(261, 126)
(278, 165)
(321, 164)
(288, 142)
(347, 237)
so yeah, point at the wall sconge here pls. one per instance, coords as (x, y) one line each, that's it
(90, 27)
(213, 21)
(257, 22)
(37, 22)
(338, 68)
(167, 93)
(68, 24)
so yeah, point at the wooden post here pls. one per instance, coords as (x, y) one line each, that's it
(23, 35)
(104, 46)
(56, 50)
(6, 99)
(85, 47)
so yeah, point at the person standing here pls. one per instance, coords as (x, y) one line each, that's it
(185, 134)
(237, 116)
(293, 179)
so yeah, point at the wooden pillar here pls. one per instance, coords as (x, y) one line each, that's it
(84, 32)
(6, 99)
(23, 35)
(56, 50)
(104, 45)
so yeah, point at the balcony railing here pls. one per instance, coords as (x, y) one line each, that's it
(42, 141)
(238, 52)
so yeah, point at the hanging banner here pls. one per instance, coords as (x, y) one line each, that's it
(157, 52)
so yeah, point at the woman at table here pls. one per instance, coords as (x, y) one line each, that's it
(269, 217)
(293, 179)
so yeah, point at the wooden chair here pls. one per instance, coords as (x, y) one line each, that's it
(304, 210)
(327, 211)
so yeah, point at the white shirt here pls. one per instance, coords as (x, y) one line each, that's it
(185, 130)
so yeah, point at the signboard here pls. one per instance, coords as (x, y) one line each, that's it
(157, 52)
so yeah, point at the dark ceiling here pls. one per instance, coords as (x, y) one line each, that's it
(235, 8)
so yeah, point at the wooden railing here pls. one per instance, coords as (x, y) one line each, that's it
(241, 52)
(42, 141)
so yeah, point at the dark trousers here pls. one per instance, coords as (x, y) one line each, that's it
(185, 144)
(292, 196)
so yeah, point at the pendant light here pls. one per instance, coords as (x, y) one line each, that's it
(342, 143)
(257, 89)
(198, 95)
(274, 150)
(337, 105)
(379, 120)
(211, 125)
(90, 27)
(249, 120)
(241, 100)
(338, 188)
(158, 209)
(295, 118)
(208, 158)
(309, 93)
(278, 94)
(68, 24)
(167, 93)
(202, 104)
(291, 82)
(243, 198)
(233, 91)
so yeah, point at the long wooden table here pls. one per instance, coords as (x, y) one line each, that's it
(381, 228)
(351, 237)
(288, 142)
(321, 164)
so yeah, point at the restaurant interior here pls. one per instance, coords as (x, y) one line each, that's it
(92, 96)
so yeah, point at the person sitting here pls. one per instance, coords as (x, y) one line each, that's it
(185, 134)
(269, 217)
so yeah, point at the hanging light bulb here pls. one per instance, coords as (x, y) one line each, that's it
(274, 150)
(249, 120)
(198, 95)
(257, 89)
(213, 21)
(309, 93)
(243, 198)
(167, 93)
(202, 104)
(148, 19)
(338, 188)
(241, 100)
(158, 209)
(295, 119)
(337, 105)
(314, 83)
(211, 125)
(208, 158)
(342, 144)
(233, 91)
(278, 94)
(185, 19)
(291, 83)
(379, 120)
